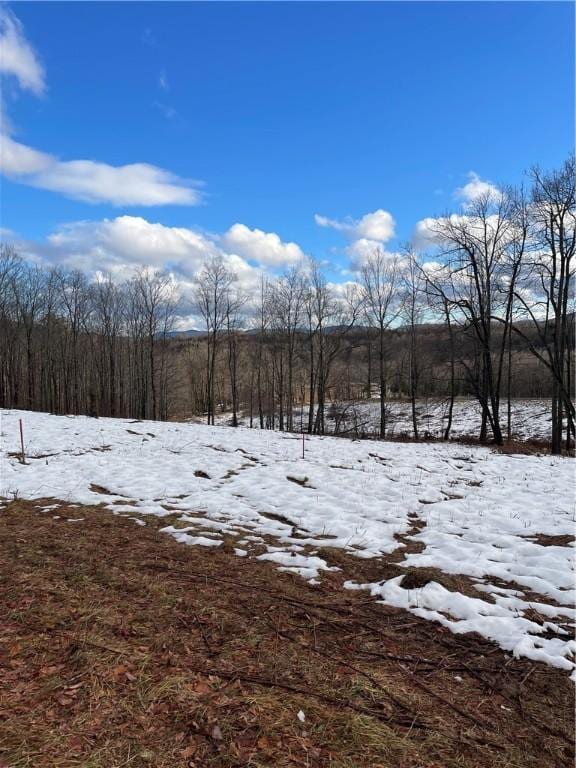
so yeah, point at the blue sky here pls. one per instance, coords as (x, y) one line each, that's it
(281, 111)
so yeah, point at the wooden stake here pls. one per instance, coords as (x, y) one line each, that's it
(303, 437)
(23, 457)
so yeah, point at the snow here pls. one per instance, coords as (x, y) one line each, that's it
(471, 511)
(240, 552)
(182, 535)
(501, 621)
(307, 566)
(530, 418)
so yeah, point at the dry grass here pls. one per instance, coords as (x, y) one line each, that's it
(121, 647)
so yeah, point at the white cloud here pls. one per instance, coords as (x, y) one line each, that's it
(18, 58)
(264, 247)
(248, 277)
(424, 233)
(324, 221)
(361, 249)
(93, 182)
(477, 188)
(367, 234)
(344, 290)
(118, 246)
(19, 160)
(429, 232)
(87, 180)
(378, 225)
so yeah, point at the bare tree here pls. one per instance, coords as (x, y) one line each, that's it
(286, 308)
(74, 298)
(546, 292)
(477, 249)
(29, 292)
(413, 311)
(156, 298)
(213, 286)
(11, 267)
(499, 284)
(106, 320)
(263, 322)
(380, 277)
(234, 303)
(452, 391)
(330, 319)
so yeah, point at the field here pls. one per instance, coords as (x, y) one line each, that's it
(368, 604)
(530, 418)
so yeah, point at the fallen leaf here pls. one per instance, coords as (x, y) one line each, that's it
(119, 670)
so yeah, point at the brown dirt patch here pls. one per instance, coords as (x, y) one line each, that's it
(121, 647)
(546, 540)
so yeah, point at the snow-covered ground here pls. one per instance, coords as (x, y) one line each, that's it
(473, 511)
(530, 419)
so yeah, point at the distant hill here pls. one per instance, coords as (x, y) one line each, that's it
(186, 334)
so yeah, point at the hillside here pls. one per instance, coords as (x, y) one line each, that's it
(181, 595)
(481, 515)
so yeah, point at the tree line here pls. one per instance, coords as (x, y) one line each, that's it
(70, 345)
(497, 278)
